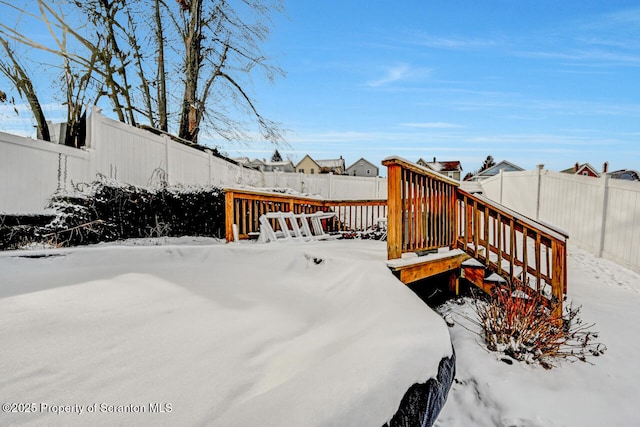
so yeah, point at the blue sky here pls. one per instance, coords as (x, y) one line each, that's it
(552, 82)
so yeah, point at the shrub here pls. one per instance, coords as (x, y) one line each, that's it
(106, 211)
(519, 323)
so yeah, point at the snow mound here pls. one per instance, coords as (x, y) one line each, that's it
(243, 334)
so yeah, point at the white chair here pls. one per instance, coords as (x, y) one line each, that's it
(383, 226)
(316, 222)
(294, 226)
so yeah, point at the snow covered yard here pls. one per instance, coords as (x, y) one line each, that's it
(489, 392)
(311, 334)
(293, 334)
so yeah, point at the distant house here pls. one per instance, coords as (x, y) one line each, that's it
(504, 165)
(362, 167)
(283, 166)
(310, 166)
(334, 166)
(266, 166)
(627, 174)
(451, 168)
(244, 161)
(584, 169)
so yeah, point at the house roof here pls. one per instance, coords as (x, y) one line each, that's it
(331, 163)
(580, 168)
(282, 163)
(442, 166)
(362, 159)
(309, 157)
(495, 169)
(243, 160)
(628, 174)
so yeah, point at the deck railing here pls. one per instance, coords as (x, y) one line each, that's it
(513, 246)
(429, 211)
(244, 208)
(422, 207)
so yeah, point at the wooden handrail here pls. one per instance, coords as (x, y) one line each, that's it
(244, 208)
(428, 211)
(421, 208)
(513, 246)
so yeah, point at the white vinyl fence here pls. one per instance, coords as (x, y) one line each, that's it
(601, 215)
(31, 171)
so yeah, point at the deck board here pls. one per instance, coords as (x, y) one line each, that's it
(410, 270)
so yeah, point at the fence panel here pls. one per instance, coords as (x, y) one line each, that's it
(31, 170)
(602, 215)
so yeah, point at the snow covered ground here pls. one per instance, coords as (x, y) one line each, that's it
(300, 334)
(489, 392)
(283, 334)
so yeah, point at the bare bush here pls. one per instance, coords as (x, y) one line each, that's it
(519, 323)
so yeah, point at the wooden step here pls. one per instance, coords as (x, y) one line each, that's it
(418, 268)
(476, 273)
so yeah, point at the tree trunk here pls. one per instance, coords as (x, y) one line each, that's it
(25, 88)
(163, 123)
(190, 115)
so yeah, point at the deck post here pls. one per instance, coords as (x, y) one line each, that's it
(454, 282)
(394, 215)
(558, 276)
(228, 215)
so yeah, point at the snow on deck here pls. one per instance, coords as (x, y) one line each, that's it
(411, 258)
(309, 334)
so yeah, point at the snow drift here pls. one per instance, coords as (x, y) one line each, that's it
(308, 334)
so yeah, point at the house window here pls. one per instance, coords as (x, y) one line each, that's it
(301, 170)
(313, 171)
(585, 173)
(368, 171)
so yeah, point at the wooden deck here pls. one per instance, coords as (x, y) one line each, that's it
(244, 208)
(428, 212)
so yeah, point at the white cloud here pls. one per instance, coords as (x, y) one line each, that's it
(393, 74)
(456, 43)
(432, 125)
(399, 72)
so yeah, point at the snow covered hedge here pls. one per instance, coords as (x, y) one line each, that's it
(106, 211)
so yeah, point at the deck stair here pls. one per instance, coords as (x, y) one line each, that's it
(429, 211)
(411, 269)
(477, 274)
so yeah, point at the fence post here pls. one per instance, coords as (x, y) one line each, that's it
(538, 192)
(603, 222)
(166, 155)
(210, 158)
(92, 144)
(501, 184)
(330, 195)
(394, 214)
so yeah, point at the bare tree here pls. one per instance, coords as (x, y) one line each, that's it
(120, 52)
(14, 71)
(161, 76)
(220, 49)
